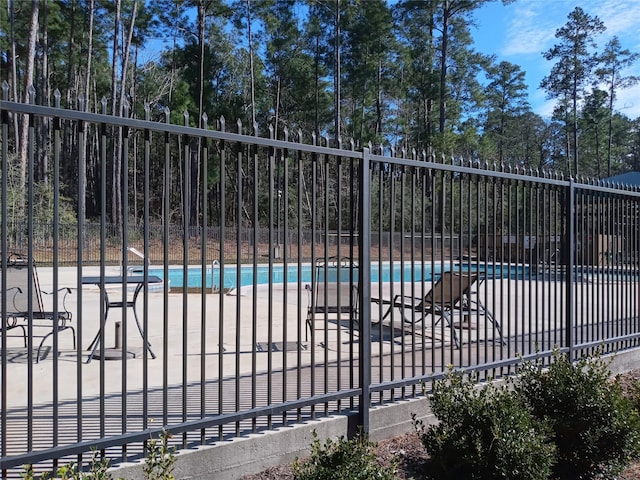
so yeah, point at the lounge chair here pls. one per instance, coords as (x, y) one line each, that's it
(333, 296)
(450, 293)
(24, 281)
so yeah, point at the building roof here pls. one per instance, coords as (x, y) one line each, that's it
(628, 178)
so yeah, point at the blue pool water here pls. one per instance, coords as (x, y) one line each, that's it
(244, 276)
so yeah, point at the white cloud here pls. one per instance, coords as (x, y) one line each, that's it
(628, 102)
(533, 23)
(526, 32)
(529, 30)
(619, 16)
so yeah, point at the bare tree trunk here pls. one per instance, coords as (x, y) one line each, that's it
(45, 123)
(28, 81)
(610, 126)
(253, 93)
(116, 206)
(337, 83)
(125, 62)
(14, 71)
(443, 66)
(85, 127)
(134, 88)
(194, 205)
(201, 42)
(123, 169)
(71, 41)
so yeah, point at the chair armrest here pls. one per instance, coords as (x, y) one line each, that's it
(308, 288)
(381, 301)
(406, 302)
(399, 301)
(67, 291)
(18, 290)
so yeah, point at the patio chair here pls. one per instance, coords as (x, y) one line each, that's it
(334, 295)
(450, 293)
(33, 312)
(10, 322)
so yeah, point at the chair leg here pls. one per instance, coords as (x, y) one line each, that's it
(60, 329)
(442, 314)
(496, 324)
(73, 334)
(24, 335)
(456, 342)
(386, 314)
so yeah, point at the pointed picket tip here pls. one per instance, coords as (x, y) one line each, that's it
(222, 122)
(205, 117)
(167, 115)
(239, 125)
(285, 132)
(31, 93)
(256, 129)
(300, 137)
(5, 90)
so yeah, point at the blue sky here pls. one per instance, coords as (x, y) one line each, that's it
(521, 31)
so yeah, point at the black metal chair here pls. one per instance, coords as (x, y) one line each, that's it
(22, 278)
(333, 296)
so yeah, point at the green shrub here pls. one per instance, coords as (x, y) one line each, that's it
(483, 433)
(98, 470)
(342, 460)
(160, 459)
(158, 465)
(595, 427)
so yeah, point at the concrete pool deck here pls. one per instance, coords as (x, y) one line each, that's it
(232, 350)
(233, 337)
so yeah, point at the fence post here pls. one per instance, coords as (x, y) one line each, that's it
(364, 285)
(570, 248)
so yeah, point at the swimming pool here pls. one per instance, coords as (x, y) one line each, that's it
(235, 277)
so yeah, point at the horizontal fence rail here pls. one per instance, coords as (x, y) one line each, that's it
(254, 282)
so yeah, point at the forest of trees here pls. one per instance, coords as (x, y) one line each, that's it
(401, 73)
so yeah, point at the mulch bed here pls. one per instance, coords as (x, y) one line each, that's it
(411, 457)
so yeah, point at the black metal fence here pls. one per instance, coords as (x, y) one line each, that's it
(67, 243)
(348, 279)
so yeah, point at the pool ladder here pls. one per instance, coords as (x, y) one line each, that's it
(215, 288)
